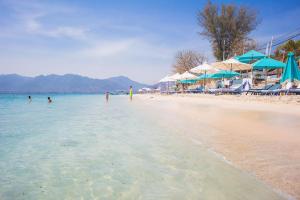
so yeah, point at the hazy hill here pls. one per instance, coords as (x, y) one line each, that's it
(69, 83)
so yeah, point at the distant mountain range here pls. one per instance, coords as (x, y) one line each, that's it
(69, 83)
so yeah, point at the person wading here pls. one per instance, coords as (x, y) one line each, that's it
(29, 99)
(130, 93)
(107, 96)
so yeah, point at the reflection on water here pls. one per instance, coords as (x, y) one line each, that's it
(79, 147)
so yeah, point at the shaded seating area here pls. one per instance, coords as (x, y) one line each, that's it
(238, 75)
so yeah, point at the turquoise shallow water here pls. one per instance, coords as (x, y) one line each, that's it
(80, 147)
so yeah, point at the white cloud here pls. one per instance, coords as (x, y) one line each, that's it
(101, 49)
(29, 17)
(131, 47)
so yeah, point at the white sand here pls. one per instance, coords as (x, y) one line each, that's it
(258, 134)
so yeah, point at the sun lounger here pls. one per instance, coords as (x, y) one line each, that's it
(295, 91)
(257, 91)
(234, 89)
(168, 92)
(214, 90)
(273, 90)
(196, 90)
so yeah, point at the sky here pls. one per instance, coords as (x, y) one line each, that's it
(106, 38)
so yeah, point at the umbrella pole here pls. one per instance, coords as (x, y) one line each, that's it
(266, 77)
(204, 79)
(252, 78)
(168, 87)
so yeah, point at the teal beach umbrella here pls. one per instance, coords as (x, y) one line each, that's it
(291, 71)
(249, 56)
(268, 63)
(189, 81)
(224, 74)
(204, 76)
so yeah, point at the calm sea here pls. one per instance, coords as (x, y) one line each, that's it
(80, 147)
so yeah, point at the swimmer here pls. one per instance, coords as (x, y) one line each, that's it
(49, 100)
(29, 99)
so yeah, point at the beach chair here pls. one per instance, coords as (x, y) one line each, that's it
(214, 90)
(196, 90)
(295, 91)
(257, 91)
(234, 89)
(273, 90)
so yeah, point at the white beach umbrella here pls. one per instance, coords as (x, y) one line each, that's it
(232, 64)
(175, 77)
(203, 68)
(187, 75)
(166, 79)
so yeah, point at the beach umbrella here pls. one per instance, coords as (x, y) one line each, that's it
(202, 69)
(224, 74)
(204, 76)
(166, 79)
(187, 75)
(176, 76)
(249, 56)
(191, 81)
(267, 63)
(291, 71)
(232, 64)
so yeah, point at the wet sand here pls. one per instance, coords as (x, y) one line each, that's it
(260, 136)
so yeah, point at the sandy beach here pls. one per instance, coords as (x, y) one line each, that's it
(259, 135)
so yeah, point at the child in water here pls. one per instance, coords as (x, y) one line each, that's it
(29, 99)
(130, 93)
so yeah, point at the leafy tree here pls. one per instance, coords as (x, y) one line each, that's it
(226, 28)
(291, 45)
(186, 60)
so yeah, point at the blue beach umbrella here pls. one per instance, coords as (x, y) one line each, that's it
(190, 81)
(250, 55)
(291, 71)
(204, 76)
(268, 63)
(224, 74)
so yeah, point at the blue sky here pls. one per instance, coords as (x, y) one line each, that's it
(108, 38)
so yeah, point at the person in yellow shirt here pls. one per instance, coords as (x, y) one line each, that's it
(130, 93)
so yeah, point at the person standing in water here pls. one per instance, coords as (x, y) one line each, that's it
(49, 100)
(29, 99)
(107, 96)
(130, 93)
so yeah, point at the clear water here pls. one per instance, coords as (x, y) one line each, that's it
(80, 147)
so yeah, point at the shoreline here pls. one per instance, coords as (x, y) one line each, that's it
(257, 135)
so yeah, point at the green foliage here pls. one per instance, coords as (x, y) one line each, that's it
(227, 28)
(290, 46)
